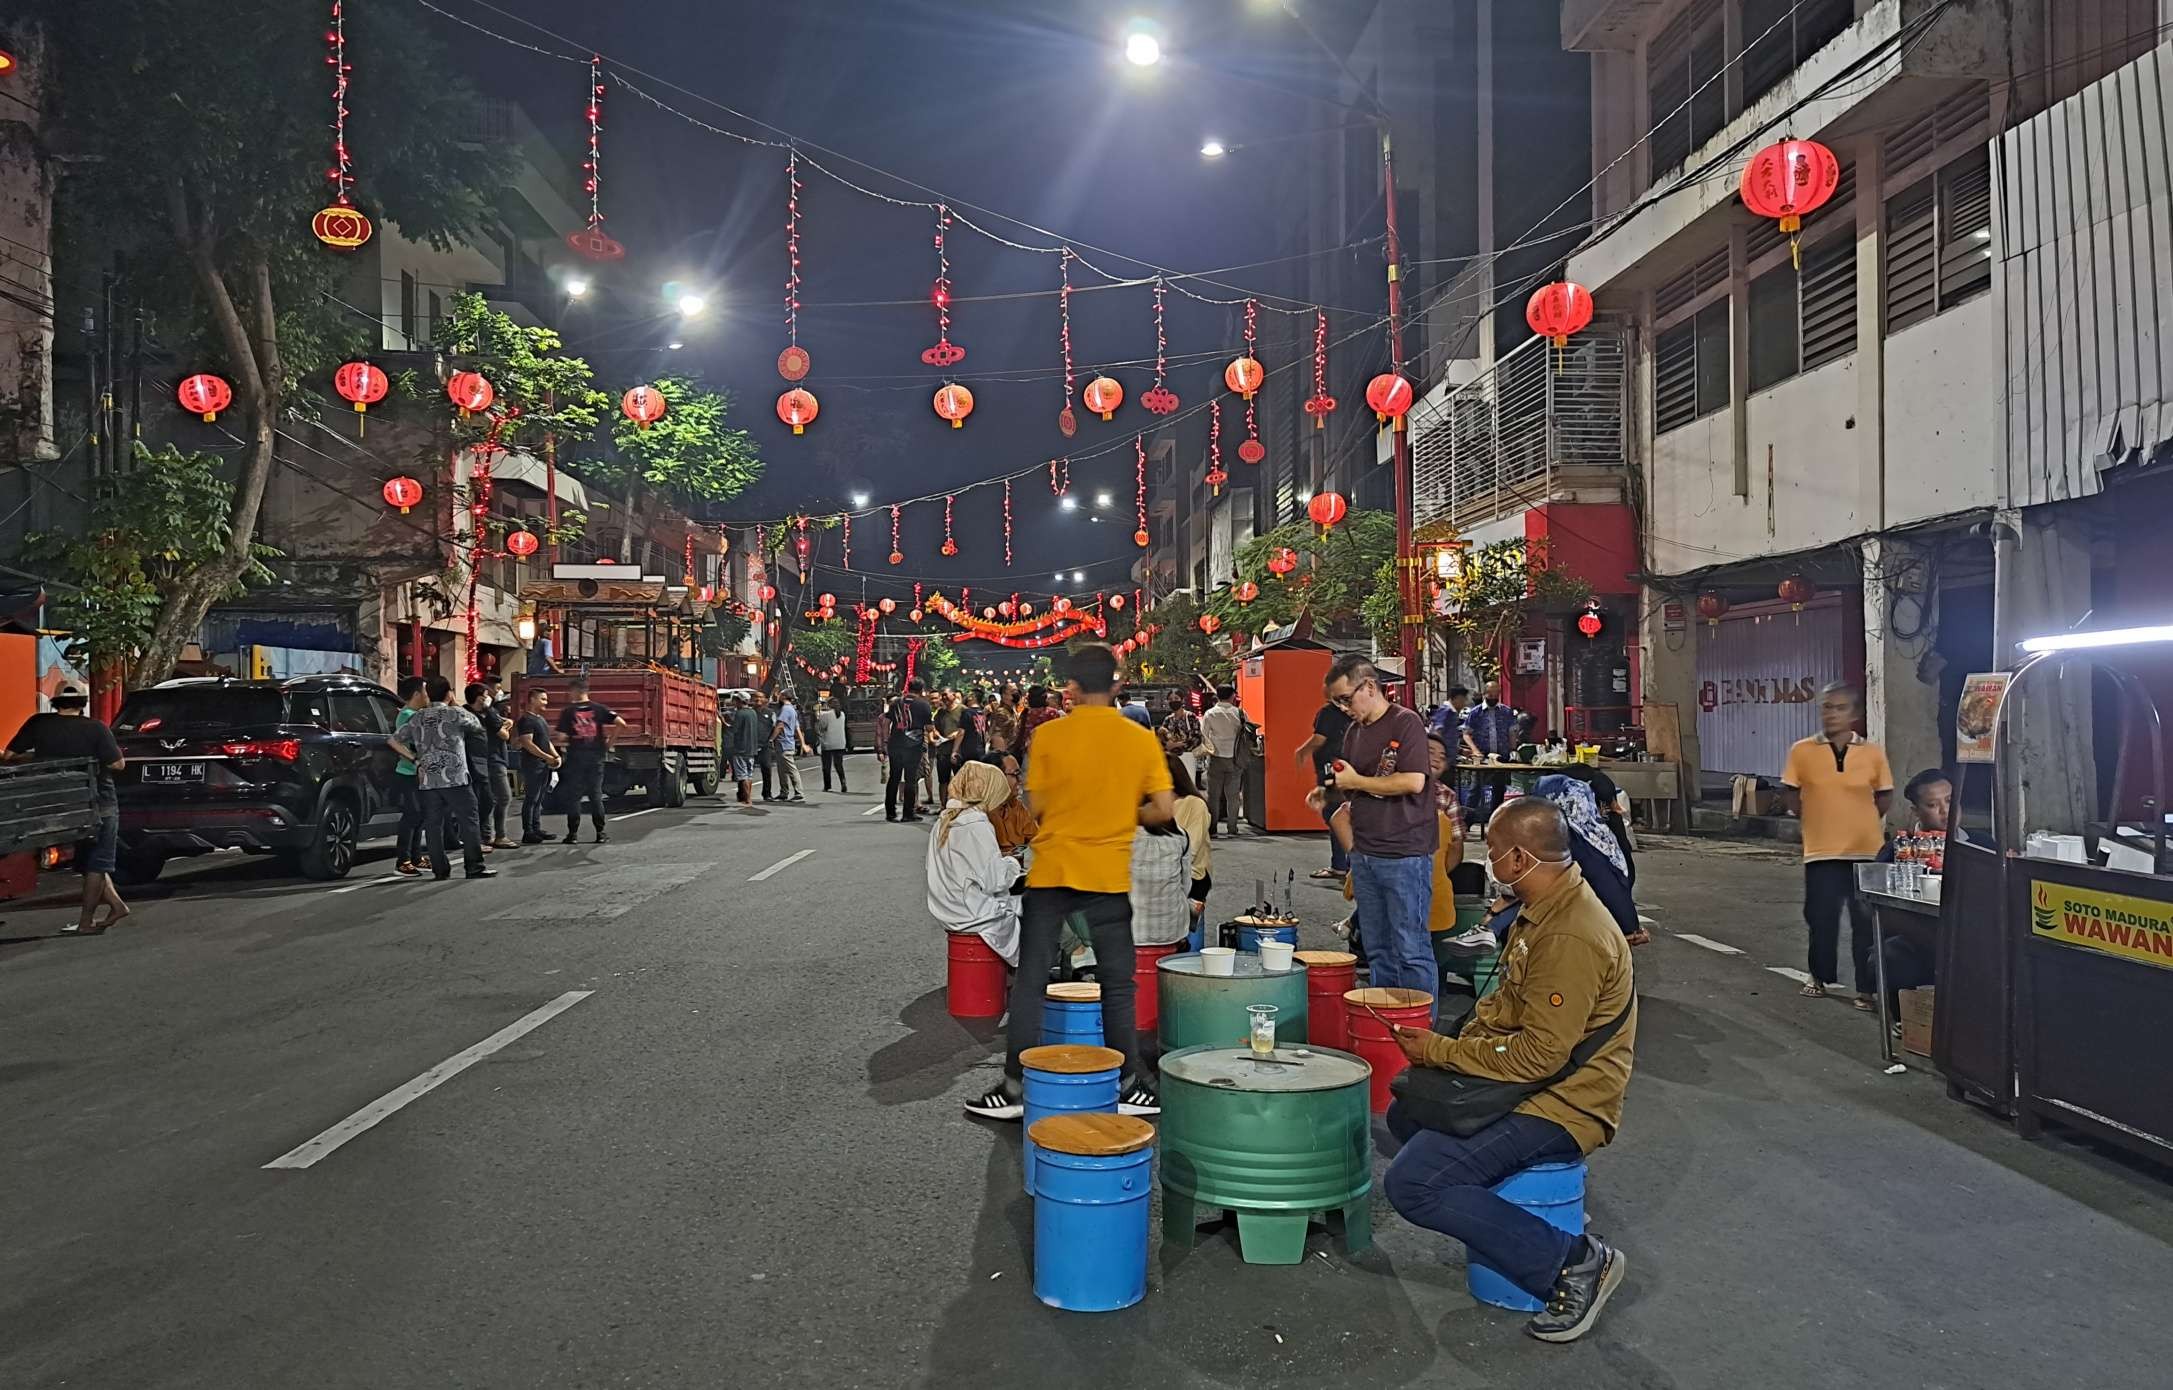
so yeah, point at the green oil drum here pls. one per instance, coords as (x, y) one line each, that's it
(1273, 1142)
(1197, 1008)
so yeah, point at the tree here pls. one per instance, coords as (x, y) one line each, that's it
(1495, 591)
(689, 457)
(939, 664)
(198, 132)
(546, 397)
(1336, 574)
(169, 517)
(1181, 650)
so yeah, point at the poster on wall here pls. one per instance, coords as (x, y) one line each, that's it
(1977, 715)
(1531, 656)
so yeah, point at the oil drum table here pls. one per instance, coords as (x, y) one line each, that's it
(1271, 1141)
(1197, 1009)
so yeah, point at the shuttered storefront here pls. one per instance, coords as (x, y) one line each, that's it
(1759, 674)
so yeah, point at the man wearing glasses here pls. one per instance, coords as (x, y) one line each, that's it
(1385, 775)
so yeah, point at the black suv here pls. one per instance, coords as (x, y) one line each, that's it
(298, 767)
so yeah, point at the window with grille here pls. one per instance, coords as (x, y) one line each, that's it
(1802, 320)
(1780, 36)
(408, 296)
(1776, 328)
(1687, 100)
(1690, 368)
(1939, 241)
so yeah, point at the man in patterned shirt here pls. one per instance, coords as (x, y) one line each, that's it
(436, 741)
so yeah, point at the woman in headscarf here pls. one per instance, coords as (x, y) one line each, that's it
(1592, 844)
(969, 877)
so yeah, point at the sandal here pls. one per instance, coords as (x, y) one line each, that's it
(1865, 1003)
(1813, 990)
(1324, 873)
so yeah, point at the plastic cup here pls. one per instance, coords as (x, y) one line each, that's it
(1218, 960)
(1275, 956)
(1262, 1017)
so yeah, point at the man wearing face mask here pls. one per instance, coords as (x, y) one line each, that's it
(1565, 978)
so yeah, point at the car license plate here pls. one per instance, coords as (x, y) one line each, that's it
(173, 772)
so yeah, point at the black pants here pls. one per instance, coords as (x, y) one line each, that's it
(408, 844)
(763, 759)
(446, 810)
(905, 773)
(833, 759)
(535, 791)
(1105, 920)
(946, 764)
(1908, 966)
(583, 780)
(486, 801)
(1829, 892)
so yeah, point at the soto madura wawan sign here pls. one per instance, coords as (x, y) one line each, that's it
(2115, 924)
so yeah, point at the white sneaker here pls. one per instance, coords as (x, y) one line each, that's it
(1474, 939)
(1343, 928)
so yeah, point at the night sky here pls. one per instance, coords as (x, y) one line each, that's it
(1020, 106)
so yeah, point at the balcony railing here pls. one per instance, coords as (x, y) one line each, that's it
(1497, 442)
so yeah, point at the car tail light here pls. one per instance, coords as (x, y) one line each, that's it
(285, 750)
(52, 857)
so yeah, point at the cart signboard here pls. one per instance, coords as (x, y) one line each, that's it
(2137, 929)
(1976, 715)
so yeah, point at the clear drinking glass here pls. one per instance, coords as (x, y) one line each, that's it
(1263, 1029)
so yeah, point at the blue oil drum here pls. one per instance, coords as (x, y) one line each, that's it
(1066, 1079)
(1072, 1013)
(1249, 938)
(1553, 1192)
(1090, 1211)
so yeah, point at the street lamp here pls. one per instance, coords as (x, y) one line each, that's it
(1078, 576)
(1213, 149)
(860, 499)
(1141, 48)
(691, 304)
(576, 286)
(1069, 503)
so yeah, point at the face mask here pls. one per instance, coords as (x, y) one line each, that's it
(1509, 885)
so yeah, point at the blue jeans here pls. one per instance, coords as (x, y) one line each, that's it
(1393, 897)
(1442, 1182)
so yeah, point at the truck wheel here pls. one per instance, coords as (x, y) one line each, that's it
(675, 781)
(136, 867)
(665, 788)
(330, 852)
(705, 784)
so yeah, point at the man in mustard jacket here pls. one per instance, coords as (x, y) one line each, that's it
(1565, 976)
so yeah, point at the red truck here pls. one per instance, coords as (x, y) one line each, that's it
(666, 740)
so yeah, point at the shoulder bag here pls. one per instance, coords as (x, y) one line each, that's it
(1450, 1102)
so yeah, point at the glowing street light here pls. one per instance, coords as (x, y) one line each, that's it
(576, 286)
(1101, 499)
(1142, 48)
(1213, 149)
(860, 499)
(691, 304)
(1069, 503)
(1078, 576)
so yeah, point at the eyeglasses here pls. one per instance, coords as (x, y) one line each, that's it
(1343, 702)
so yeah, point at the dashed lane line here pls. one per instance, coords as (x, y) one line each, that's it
(308, 1153)
(785, 863)
(871, 810)
(1797, 975)
(1707, 942)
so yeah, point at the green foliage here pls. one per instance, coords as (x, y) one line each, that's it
(725, 632)
(1180, 650)
(1337, 573)
(823, 644)
(553, 390)
(1494, 593)
(162, 519)
(939, 665)
(690, 456)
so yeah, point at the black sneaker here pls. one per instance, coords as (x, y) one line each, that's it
(571, 839)
(482, 873)
(998, 1104)
(1580, 1291)
(1139, 1099)
(601, 837)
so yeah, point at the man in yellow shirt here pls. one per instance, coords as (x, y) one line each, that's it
(1841, 786)
(1094, 778)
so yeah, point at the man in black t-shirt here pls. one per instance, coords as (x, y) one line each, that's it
(910, 718)
(68, 733)
(1315, 757)
(532, 738)
(583, 723)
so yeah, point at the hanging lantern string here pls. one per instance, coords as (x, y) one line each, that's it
(1007, 523)
(1063, 317)
(1161, 337)
(1215, 476)
(792, 246)
(1139, 473)
(593, 170)
(943, 276)
(1059, 476)
(341, 175)
(1252, 334)
(1320, 353)
(848, 543)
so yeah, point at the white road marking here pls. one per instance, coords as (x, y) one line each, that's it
(600, 895)
(642, 812)
(1644, 921)
(1797, 975)
(1707, 942)
(785, 863)
(303, 1155)
(368, 883)
(872, 810)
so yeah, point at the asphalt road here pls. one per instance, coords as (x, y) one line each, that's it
(734, 1156)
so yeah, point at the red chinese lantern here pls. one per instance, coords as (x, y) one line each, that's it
(1140, 538)
(1712, 607)
(827, 600)
(1283, 561)
(1116, 603)
(1796, 591)
(1244, 376)
(1007, 608)
(1789, 181)
(1390, 396)
(988, 614)
(204, 394)
(522, 543)
(1061, 605)
(793, 363)
(1246, 592)
(340, 227)
(954, 403)
(949, 547)
(916, 615)
(798, 408)
(1327, 508)
(1026, 610)
(768, 592)
(1252, 451)
(1558, 310)
(1103, 395)
(1589, 623)
(645, 405)
(1210, 624)
(402, 492)
(471, 391)
(897, 557)
(360, 384)
(888, 605)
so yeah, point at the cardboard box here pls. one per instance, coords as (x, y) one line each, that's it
(1916, 1021)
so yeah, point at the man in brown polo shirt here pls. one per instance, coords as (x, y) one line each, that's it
(1565, 976)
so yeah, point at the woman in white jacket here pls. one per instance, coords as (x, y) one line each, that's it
(969, 878)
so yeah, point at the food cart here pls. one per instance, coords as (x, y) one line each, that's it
(2055, 949)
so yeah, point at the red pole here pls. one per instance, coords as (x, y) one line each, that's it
(1412, 627)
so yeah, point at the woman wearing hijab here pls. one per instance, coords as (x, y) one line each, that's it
(1592, 844)
(969, 877)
